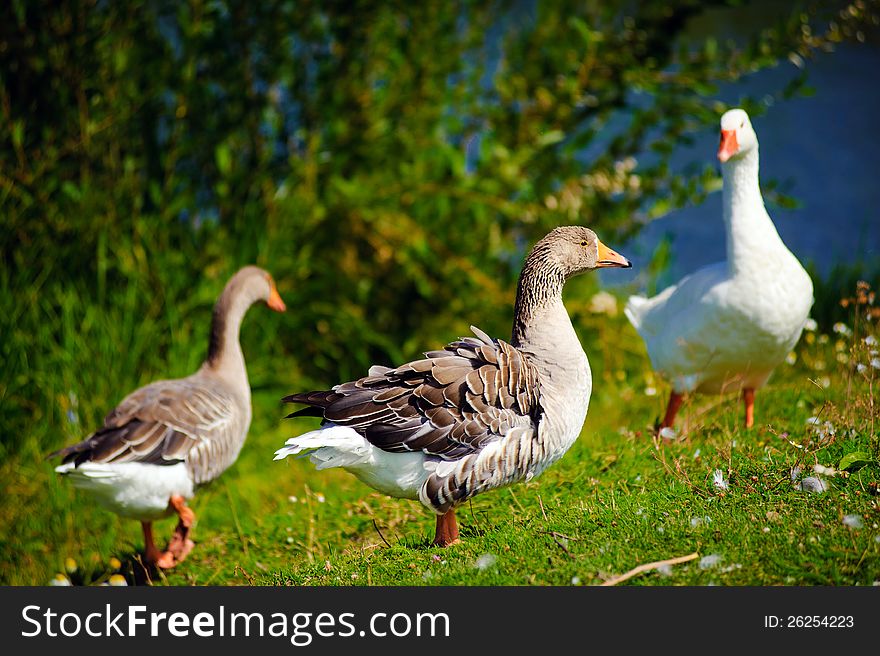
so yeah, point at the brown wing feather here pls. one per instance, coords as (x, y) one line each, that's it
(448, 404)
(168, 422)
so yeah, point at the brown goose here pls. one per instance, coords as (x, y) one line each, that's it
(167, 438)
(479, 414)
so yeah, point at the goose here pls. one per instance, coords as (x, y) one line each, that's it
(479, 414)
(728, 325)
(167, 438)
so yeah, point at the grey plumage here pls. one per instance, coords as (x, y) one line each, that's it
(448, 405)
(201, 420)
(196, 420)
(484, 412)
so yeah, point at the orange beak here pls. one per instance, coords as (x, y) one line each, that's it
(275, 301)
(728, 146)
(609, 258)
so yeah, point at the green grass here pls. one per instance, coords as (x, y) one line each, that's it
(616, 500)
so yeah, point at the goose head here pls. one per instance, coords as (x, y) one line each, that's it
(737, 135)
(575, 249)
(252, 284)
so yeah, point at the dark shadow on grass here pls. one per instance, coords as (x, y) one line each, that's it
(426, 542)
(136, 571)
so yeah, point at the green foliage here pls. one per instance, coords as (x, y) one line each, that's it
(387, 162)
(148, 150)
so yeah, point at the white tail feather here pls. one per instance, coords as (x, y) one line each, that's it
(634, 309)
(395, 474)
(329, 446)
(86, 472)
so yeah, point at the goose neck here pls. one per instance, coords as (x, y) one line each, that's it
(538, 298)
(750, 232)
(224, 351)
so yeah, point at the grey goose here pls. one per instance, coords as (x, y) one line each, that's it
(477, 415)
(167, 438)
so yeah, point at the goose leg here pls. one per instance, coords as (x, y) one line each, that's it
(671, 409)
(151, 553)
(749, 401)
(180, 545)
(447, 530)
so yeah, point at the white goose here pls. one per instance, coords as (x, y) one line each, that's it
(477, 415)
(167, 438)
(726, 326)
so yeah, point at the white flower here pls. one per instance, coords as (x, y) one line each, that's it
(718, 480)
(861, 368)
(822, 469)
(320, 497)
(875, 362)
(813, 484)
(823, 429)
(841, 329)
(870, 340)
(575, 580)
(603, 303)
(668, 433)
(292, 499)
(485, 562)
(60, 579)
(853, 521)
(665, 569)
(710, 561)
(810, 325)
(650, 391)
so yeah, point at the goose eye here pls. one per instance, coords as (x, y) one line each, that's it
(584, 243)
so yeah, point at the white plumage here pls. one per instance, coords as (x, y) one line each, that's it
(726, 326)
(131, 489)
(399, 475)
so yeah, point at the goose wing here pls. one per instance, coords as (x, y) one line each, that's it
(449, 404)
(164, 423)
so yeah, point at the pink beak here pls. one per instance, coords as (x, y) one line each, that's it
(728, 146)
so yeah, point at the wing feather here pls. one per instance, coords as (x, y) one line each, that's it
(170, 421)
(449, 404)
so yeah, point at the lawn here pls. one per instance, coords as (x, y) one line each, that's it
(732, 499)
